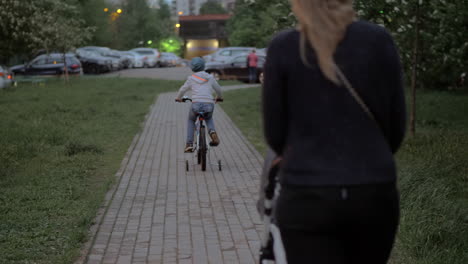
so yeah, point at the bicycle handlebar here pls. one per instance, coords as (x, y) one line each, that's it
(188, 99)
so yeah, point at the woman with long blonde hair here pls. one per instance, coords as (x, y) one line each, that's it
(334, 110)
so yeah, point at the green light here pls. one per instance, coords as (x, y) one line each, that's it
(170, 45)
(150, 42)
(381, 11)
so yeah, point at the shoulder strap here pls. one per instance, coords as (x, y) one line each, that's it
(353, 92)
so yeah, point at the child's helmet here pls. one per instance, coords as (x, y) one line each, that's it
(197, 64)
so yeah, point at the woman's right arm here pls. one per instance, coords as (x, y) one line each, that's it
(394, 81)
(274, 99)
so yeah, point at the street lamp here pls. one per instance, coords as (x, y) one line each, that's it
(181, 13)
(177, 25)
(119, 11)
(106, 9)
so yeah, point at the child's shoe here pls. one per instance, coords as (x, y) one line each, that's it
(188, 148)
(214, 139)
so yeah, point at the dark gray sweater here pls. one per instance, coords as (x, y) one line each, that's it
(323, 134)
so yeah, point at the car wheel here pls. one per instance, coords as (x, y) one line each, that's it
(93, 69)
(261, 78)
(216, 75)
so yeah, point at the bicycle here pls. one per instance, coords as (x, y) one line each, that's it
(200, 145)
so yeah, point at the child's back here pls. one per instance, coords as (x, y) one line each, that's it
(202, 85)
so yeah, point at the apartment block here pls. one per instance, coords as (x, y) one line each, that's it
(192, 7)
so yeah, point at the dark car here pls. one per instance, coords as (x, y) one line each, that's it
(49, 64)
(235, 69)
(92, 62)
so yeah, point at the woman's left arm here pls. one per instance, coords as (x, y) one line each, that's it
(274, 100)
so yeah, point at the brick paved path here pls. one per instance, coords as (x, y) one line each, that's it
(159, 213)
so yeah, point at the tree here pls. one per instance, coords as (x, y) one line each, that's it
(212, 7)
(140, 24)
(431, 38)
(255, 22)
(16, 23)
(94, 16)
(32, 25)
(55, 32)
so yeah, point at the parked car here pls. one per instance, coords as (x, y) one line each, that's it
(92, 62)
(169, 60)
(131, 57)
(139, 60)
(226, 54)
(106, 52)
(124, 62)
(235, 68)
(150, 56)
(6, 77)
(49, 64)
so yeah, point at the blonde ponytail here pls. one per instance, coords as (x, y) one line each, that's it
(322, 24)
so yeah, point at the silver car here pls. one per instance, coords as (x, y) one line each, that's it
(150, 56)
(226, 54)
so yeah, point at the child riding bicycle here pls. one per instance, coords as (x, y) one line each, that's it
(201, 84)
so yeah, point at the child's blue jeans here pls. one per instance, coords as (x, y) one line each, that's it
(196, 108)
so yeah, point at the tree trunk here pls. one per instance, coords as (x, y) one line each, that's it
(414, 73)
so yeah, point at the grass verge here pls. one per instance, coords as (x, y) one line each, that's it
(60, 146)
(243, 106)
(433, 175)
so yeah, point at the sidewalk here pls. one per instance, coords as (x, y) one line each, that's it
(159, 213)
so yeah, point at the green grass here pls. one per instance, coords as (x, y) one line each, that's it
(433, 175)
(60, 147)
(243, 106)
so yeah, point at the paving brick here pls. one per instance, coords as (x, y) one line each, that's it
(159, 213)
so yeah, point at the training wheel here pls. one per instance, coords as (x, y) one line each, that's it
(186, 165)
(220, 166)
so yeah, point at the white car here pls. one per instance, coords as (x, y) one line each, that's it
(6, 77)
(150, 56)
(138, 60)
(132, 57)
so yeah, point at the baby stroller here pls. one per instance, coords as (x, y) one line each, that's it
(272, 250)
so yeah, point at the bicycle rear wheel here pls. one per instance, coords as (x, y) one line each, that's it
(203, 148)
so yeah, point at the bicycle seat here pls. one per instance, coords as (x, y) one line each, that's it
(201, 114)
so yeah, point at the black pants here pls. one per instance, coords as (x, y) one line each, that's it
(252, 74)
(332, 225)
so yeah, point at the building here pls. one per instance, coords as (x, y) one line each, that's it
(151, 3)
(203, 34)
(192, 7)
(229, 5)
